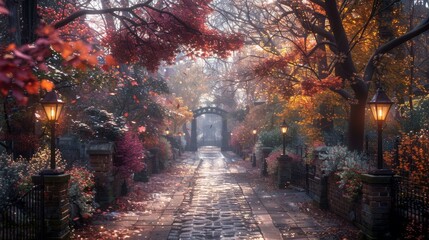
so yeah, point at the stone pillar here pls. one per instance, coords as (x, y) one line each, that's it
(284, 171)
(56, 205)
(376, 205)
(101, 162)
(264, 166)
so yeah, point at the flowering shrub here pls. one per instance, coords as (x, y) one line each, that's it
(39, 161)
(242, 136)
(81, 191)
(165, 150)
(272, 162)
(348, 166)
(129, 151)
(11, 172)
(42, 160)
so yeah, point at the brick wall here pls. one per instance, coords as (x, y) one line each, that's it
(376, 206)
(102, 165)
(56, 205)
(343, 206)
(371, 212)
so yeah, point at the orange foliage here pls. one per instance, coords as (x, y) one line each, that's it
(413, 155)
(17, 64)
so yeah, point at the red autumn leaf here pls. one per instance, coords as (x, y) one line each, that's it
(91, 59)
(66, 50)
(46, 85)
(32, 87)
(110, 61)
(105, 67)
(10, 47)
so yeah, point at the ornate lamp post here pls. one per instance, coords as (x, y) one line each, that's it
(254, 131)
(380, 105)
(53, 107)
(284, 127)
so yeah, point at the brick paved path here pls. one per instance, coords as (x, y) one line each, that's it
(216, 207)
(219, 196)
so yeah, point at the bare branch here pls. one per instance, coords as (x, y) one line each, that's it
(371, 65)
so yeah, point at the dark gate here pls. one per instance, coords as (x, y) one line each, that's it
(192, 146)
(23, 219)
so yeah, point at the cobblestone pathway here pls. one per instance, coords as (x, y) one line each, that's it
(216, 207)
(214, 195)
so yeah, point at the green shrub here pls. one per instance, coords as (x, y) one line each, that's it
(81, 192)
(11, 174)
(272, 138)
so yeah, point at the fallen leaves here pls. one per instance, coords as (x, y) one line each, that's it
(143, 198)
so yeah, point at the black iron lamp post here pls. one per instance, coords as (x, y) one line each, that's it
(53, 107)
(167, 132)
(380, 105)
(254, 142)
(284, 127)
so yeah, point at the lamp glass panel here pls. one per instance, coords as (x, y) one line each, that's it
(380, 110)
(284, 129)
(53, 110)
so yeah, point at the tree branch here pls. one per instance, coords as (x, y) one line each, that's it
(371, 65)
(146, 4)
(84, 12)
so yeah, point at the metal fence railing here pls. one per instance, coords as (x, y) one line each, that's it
(410, 208)
(23, 219)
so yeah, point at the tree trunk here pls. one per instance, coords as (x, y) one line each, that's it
(356, 127)
(326, 123)
(29, 21)
(22, 23)
(14, 23)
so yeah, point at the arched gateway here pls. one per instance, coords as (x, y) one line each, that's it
(209, 110)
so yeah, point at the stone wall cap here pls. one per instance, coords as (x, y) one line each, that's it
(371, 178)
(61, 178)
(101, 148)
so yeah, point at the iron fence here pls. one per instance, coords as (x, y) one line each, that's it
(23, 218)
(302, 171)
(410, 209)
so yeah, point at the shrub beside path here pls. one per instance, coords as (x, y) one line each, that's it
(209, 195)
